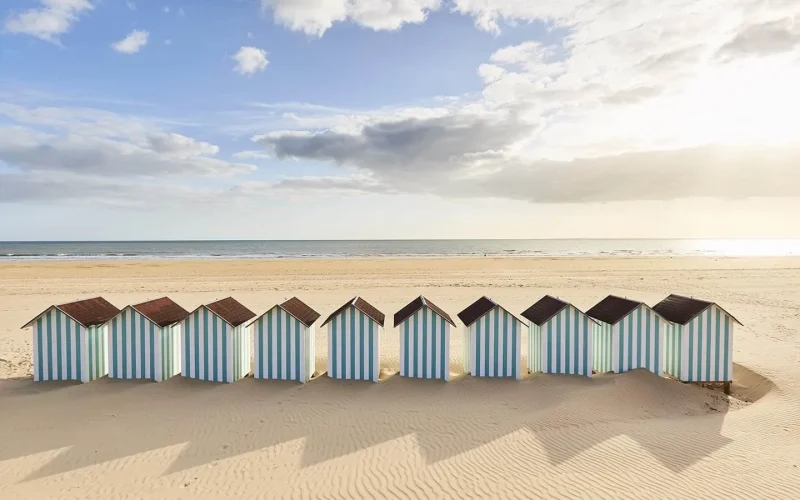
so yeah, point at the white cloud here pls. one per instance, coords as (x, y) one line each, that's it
(314, 17)
(243, 155)
(181, 12)
(51, 19)
(250, 60)
(168, 42)
(131, 4)
(132, 43)
(166, 9)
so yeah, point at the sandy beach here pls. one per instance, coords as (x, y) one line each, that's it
(632, 435)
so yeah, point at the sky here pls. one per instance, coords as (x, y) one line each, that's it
(376, 119)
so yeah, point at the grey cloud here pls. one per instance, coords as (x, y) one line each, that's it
(411, 144)
(633, 95)
(352, 184)
(773, 37)
(106, 157)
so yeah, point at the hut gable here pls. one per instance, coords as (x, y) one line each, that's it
(163, 312)
(363, 306)
(544, 309)
(417, 304)
(88, 312)
(231, 311)
(612, 309)
(300, 311)
(297, 309)
(681, 310)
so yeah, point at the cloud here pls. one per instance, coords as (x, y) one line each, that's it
(314, 17)
(242, 155)
(250, 60)
(47, 22)
(131, 4)
(132, 43)
(771, 37)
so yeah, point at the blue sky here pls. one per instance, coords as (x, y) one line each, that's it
(280, 119)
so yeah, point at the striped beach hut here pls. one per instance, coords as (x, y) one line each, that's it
(69, 340)
(144, 341)
(284, 342)
(559, 338)
(628, 335)
(354, 341)
(215, 342)
(699, 341)
(424, 340)
(492, 340)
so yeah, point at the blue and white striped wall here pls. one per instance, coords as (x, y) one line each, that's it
(140, 349)
(354, 346)
(562, 345)
(284, 347)
(635, 341)
(64, 350)
(425, 345)
(702, 350)
(212, 349)
(494, 345)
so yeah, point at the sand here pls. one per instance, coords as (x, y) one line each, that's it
(633, 435)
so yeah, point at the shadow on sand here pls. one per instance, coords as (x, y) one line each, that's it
(561, 415)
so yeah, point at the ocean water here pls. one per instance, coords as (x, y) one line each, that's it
(317, 249)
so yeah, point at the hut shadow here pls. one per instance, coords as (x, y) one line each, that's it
(25, 386)
(678, 424)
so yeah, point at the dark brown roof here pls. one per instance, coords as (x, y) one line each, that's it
(476, 310)
(300, 311)
(89, 312)
(231, 311)
(612, 309)
(681, 310)
(417, 304)
(544, 309)
(163, 311)
(363, 306)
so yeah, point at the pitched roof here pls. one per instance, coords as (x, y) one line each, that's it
(231, 311)
(417, 304)
(612, 309)
(363, 306)
(297, 309)
(478, 309)
(88, 312)
(162, 312)
(544, 309)
(681, 310)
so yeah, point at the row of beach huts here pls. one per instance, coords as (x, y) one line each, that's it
(686, 338)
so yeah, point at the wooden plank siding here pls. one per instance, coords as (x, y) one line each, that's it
(494, 345)
(701, 350)
(353, 346)
(425, 346)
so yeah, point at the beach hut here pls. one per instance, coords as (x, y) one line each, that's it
(69, 340)
(215, 342)
(424, 340)
(628, 335)
(559, 338)
(354, 341)
(492, 340)
(284, 342)
(144, 341)
(699, 341)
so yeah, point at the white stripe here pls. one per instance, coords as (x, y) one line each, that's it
(446, 354)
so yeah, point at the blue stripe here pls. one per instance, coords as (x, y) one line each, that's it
(334, 347)
(187, 338)
(40, 347)
(298, 351)
(373, 375)
(691, 351)
(59, 358)
(549, 352)
(725, 374)
(124, 344)
(278, 354)
(558, 343)
(164, 332)
(630, 341)
(708, 349)
(587, 370)
(442, 358)
(362, 343)
(406, 348)
(639, 334)
(415, 370)
(568, 342)
(717, 357)
(514, 343)
(657, 358)
(115, 328)
(647, 341)
(48, 322)
(224, 351)
(68, 327)
(142, 347)
(425, 334)
(344, 334)
(78, 359)
(196, 334)
(497, 333)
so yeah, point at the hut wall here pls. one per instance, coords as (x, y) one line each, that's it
(635, 341)
(212, 349)
(353, 346)
(702, 350)
(425, 346)
(534, 348)
(137, 348)
(282, 346)
(495, 342)
(64, 350)
(169, 354)
(603, 348)
(567, 343)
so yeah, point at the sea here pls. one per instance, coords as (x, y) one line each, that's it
(357, 249)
